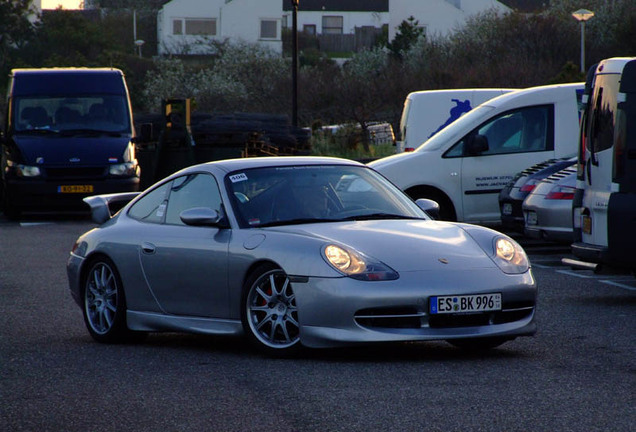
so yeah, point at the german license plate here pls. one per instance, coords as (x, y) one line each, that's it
(532, 218)
(507, 209)
(75, 189)
(586, 224)
(465, 303)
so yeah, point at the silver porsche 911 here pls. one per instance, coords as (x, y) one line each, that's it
(291, 252)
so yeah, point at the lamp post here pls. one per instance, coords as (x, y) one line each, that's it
(582, 15)
(139, 43)
(295, 63)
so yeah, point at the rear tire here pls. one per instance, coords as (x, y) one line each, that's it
(104, 304)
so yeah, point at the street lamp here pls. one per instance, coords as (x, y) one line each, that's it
(582, 15)
(139, 43)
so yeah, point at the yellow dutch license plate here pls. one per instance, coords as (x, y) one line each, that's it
(586, 224)
(75, 189)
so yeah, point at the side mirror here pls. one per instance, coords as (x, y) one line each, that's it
(202, 216)
(429, 206)
(145, 133)
(477, 144)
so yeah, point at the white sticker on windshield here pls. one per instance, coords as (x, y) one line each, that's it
(238, 178)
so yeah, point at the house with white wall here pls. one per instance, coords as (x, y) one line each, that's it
(189, 26)
(336, 16)
(439, 17)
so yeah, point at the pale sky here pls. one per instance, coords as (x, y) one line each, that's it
(66, 4)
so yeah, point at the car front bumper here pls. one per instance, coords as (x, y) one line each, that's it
(343, 311)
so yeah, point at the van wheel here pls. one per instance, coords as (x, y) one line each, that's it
(11, 212)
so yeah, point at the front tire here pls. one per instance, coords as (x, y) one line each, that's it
(269, 312)
(104, 303)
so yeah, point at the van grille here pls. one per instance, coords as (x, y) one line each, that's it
(75, 172)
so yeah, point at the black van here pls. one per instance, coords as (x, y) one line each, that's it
(68, 134)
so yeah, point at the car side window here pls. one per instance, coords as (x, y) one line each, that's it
(152, 206)
(518, 131)
(195, 190)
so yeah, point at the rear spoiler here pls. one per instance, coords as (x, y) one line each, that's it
(103, 207)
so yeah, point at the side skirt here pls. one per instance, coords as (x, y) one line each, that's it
(153, 322)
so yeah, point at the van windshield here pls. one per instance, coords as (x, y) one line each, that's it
(100, 113)
(448, 135)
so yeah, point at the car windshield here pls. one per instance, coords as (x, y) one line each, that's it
(92, 113)
(315, 193)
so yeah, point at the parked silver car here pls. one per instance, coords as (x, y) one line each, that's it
(296, 251)
(547, 209)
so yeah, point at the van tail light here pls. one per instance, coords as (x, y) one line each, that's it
(409, 149)
(561, 193)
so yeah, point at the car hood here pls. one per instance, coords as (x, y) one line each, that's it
(404, 245)
(80, 150)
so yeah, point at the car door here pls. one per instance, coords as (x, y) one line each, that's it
(186, 266)
(516, 140)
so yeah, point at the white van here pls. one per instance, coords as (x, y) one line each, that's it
(465, 165)
(427, 112)
(604, 206)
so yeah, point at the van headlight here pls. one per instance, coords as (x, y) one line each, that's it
(26, 171)
(126, 169)
(356, 265)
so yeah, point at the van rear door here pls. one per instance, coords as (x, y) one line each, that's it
(599, 135)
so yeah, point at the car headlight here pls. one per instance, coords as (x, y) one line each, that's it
(356, 265)
(504, 251)
(21, 170)
(126, 169)
(509, 256)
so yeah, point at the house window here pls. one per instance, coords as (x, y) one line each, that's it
(332, 25)
(268, 29)
(206, 27)
(177, 27)
(310, 29)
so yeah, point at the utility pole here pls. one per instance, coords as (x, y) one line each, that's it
(295, 63)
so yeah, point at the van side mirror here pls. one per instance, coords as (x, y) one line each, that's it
(145, 133)
(476, 145)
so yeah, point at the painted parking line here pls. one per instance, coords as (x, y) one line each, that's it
(617, 283)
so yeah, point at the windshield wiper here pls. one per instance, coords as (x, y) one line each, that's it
(89, 132)
(37, 132)
(298, 221)
(379, 216)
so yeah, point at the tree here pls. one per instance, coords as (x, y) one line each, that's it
(16, 29)
(407, 35)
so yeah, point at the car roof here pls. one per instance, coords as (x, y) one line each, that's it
(229, 165)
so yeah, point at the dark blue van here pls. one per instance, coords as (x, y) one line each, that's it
(68, 134)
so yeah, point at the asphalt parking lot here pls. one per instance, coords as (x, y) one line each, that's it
(578, 373)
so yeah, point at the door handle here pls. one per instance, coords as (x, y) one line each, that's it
(148, 248)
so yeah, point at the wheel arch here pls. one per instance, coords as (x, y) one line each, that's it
(255, 265)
